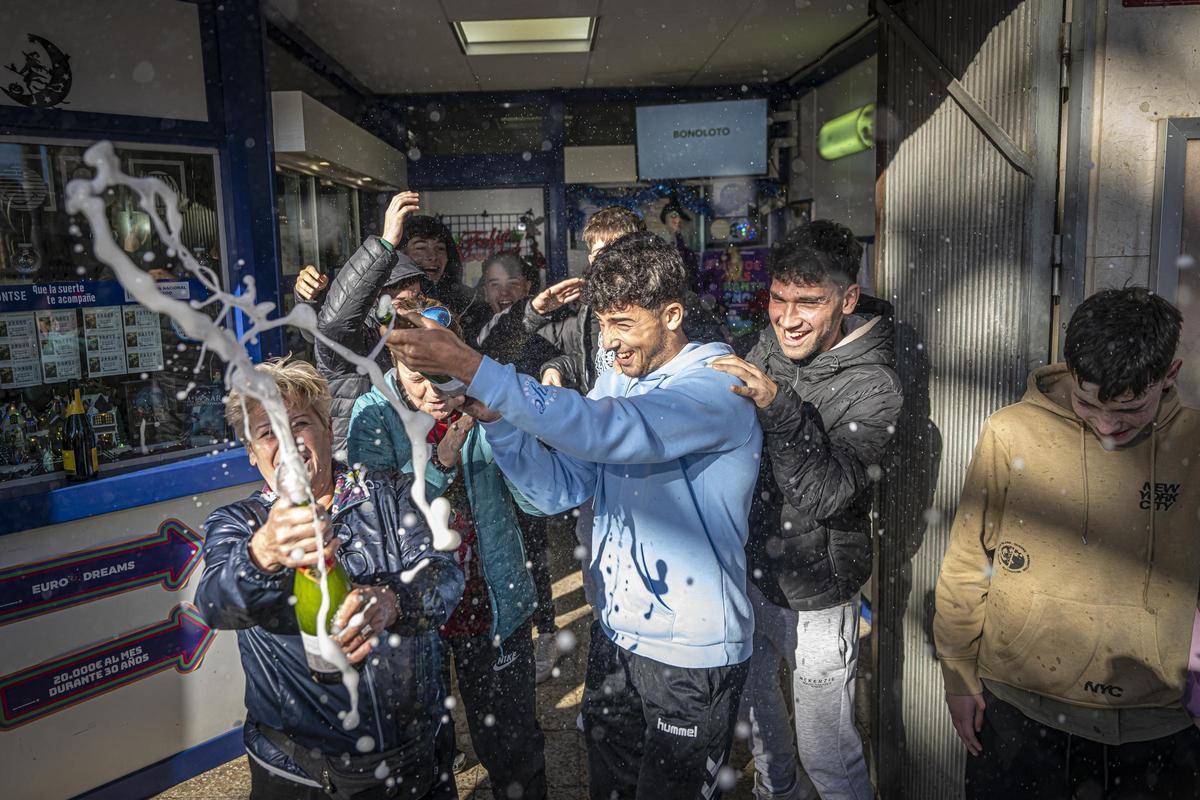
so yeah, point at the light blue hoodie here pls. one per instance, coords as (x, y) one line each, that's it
(671, 459)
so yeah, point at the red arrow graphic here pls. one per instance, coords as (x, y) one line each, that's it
(167, 557)
(178, 642)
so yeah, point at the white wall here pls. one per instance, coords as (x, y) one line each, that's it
(493, 201)
(842, 190)
(139, 57)
(1147, 70)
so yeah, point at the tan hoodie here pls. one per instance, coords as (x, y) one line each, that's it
(1072, 571)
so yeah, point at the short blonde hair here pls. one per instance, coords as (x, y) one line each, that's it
(298, 382)
(611, 223)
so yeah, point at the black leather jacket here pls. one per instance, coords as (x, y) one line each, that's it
(830, 423)
(400, 693)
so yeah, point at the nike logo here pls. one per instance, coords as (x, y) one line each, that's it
(504, 662)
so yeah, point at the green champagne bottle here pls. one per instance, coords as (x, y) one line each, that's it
(306, 586)
(81, 460)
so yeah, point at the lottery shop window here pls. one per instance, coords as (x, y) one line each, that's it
(150, 393)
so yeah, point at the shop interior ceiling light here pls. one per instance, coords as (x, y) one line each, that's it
(497, 37)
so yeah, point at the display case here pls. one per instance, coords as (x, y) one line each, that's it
(151, 393)
(321, 222)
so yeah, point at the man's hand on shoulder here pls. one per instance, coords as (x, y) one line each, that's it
(758, 387)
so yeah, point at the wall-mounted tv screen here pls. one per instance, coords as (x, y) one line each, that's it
(702, 140)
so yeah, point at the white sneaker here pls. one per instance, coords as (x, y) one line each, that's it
(545, 656)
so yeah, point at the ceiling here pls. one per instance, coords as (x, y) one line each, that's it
(409, 47)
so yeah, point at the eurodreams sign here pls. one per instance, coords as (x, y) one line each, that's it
(702, 140)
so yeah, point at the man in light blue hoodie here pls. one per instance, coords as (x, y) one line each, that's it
(670, 455)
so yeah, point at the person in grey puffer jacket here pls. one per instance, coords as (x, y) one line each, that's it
(828, 398)
(346, 317)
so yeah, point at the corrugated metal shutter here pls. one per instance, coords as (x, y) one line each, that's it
(965, 256)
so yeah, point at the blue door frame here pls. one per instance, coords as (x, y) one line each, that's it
(239, 130)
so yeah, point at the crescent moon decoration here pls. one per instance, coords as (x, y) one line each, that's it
(42, 85)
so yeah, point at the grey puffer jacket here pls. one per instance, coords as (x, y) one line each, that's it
(346, 319)
(829, 426)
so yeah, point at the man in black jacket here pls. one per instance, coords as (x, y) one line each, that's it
(821, 375)
(376, 268)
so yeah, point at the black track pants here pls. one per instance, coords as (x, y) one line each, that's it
(656, 732)
(497, 687)
(1025, 759)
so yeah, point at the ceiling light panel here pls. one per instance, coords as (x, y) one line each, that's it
(492, 37)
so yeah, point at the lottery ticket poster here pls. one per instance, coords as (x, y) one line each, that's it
(104, 341)
(19, 364)
(58, 338)
(143, 340)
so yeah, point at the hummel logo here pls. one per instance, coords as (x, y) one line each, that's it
(503, 662)
(675, 730)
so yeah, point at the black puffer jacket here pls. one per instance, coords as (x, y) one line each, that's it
(346, 319)
(508, 342)
(400, 694)
(824, 437)
(577, 334)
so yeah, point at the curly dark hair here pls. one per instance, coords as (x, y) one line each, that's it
(425, 227)
(816, 251)
(636, 270)
(1122, 340)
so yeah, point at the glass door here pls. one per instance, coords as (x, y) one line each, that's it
(1177, 240)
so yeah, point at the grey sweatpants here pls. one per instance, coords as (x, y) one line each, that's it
(820, 652)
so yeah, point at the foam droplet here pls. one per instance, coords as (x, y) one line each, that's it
(445, 538)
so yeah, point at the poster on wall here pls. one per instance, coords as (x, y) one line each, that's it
(166, 557)
(104, 341)
(18, 351)
(58, 338)
(143, 340)
(742, 273)
(178, 642)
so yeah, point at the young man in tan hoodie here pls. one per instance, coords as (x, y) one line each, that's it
(1067, 595)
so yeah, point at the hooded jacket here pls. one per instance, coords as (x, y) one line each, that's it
(1072, 571)
(377, 440)
(670, 460)
(830, 422)
(400, 694)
